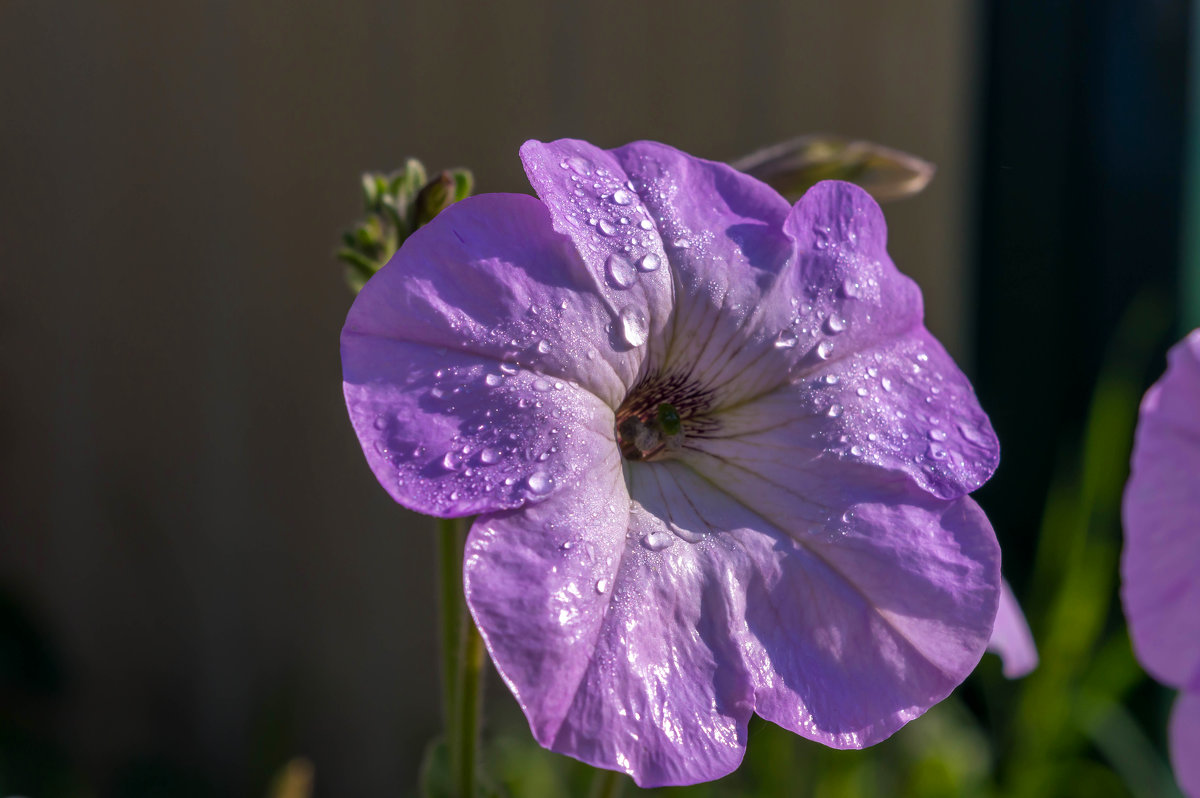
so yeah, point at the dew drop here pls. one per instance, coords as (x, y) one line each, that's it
(567, 546)
(681, 243)
(886, 383)
(974, 434)
(856, 451)
(544, 346)
(937, 435)
(489, 455)
(657, 541)
(539, 483)
(861, 391)
(606, 227)
(602, 586)
(834, 325)
(824, 350)
(645, 224)
(452, 461)
(834, 411)
(633, 326)
(493, 379)
(649, 263)
(785, 340)
(622, 197)
(509, 368)
(831, 379)
(436, 393)
(620, 272)
(937, 452)
(849, 287)
(380, 422)
(541, 384)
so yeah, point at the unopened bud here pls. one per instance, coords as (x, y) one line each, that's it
(793, 167)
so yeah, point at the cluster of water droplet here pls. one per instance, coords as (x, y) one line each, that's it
(897, 407)
(507, 446)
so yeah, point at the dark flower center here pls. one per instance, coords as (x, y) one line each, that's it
(658, 416)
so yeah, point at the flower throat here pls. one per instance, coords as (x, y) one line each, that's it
(657, 416)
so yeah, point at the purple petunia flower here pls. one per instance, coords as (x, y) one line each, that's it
(720, 466)
(1160, 565)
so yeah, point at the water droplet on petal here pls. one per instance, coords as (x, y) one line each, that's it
(886, 383)
(831, 379)
(544, 346)
(649, 263)
(786, 339)
(681, 243)
(452, 461)
(658, 540)
(937, 435)
(834, 411)
(620, 272)
(493, 379)
(606, 227)
(856, 450)
(541, 384)
(974, 434)
(602, 586)
(824, 350)
(645, 224)
(509, 368)
(622, 197)
(633, 326)
(380, 422)
(937, 452)
(539, 483)
(489, 455)
(861, 391)
(834, 325)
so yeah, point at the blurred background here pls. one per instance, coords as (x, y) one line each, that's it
(199, 577)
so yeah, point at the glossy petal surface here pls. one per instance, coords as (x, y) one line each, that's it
(1160, 564)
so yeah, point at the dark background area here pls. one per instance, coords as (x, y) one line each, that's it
(200, 577)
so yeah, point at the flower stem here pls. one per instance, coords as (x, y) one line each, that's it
(607, 784)
(449, 554)
(470, 704)
(463, 661)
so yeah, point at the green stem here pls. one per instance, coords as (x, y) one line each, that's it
(470, 705)
(463, 658)
(607, 784)
(449, 554)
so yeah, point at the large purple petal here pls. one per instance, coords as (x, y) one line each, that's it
(1161, 561)
(590, 201)
(874, 383)
(452, 434)
(490, 276)
(620, 655)
(1185, 742)
(1011, 638)
(471, 356)
(853, 625)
